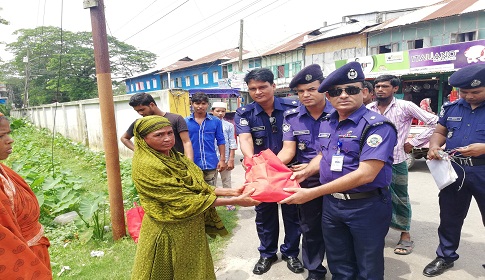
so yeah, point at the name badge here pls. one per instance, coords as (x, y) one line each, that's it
(258, 128)
(323, 135)
(301, 132)
(454, 119)
(337, 163)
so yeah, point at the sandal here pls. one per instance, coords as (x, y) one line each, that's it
(404, 247)
(230, 207)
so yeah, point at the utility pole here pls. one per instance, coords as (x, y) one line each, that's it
(241, 45)
(106, 105)
(27, 78)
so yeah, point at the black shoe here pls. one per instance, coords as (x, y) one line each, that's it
(313, 276)
(293, 264)
(436, 267)
(264, 264)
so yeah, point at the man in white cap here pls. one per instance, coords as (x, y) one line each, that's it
(218, 109)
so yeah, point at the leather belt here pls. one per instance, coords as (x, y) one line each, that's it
(468, 161)
(361, 195)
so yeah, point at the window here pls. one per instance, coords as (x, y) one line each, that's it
(131, 87)
(463, 37)
(172, 83)
(148, 84)
(154, 83)
(196, 80)
(165, 84)
(254, 63)
(205, 78)
(415, 44)
(385, 49)
(283, 71)
(229, 68)
(179, 82)
(295, 68)
(187, 81)
(215, 76)
(224, 72)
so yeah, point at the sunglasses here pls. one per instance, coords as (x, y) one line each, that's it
(348, 90)
(272, 121)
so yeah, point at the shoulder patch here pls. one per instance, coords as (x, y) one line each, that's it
(286, 127)
(374, 140)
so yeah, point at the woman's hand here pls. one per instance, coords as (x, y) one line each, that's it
(246, 200)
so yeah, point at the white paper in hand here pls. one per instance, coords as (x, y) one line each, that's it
(442, 171)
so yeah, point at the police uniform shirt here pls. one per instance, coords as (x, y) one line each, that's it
(378, 145)
(265, 130)
(299, 126)
(465, 126)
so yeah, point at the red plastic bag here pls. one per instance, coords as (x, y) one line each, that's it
(268, 175)
(134, 217)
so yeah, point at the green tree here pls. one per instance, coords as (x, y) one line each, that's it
(60, 65)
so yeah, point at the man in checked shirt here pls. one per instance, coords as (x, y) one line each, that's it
(401, 113)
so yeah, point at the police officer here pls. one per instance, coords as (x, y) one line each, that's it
(258, 125)
(460, 126)
(300, 131)
(355, 166)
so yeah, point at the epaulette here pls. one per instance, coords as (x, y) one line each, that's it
(291, 112)
(290, 101)
(245, 108)
(451, 103)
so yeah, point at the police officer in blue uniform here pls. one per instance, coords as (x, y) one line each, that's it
(258, 126)
(300, 130)
(355, 167)
(461, 126)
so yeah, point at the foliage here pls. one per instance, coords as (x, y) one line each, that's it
(49, 49)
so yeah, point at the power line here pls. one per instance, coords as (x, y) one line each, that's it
(157, 20)
(130, 20)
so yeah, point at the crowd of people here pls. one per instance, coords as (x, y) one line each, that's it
(345, 139)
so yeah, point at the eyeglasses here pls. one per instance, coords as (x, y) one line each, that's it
(348, 90)
(272, 121)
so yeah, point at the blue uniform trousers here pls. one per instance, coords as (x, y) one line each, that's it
(267, 226)
(312, 243)
(454, 205)
(354, 233)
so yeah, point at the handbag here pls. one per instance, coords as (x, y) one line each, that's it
(267, 174)
(443, 173)
(134, 218)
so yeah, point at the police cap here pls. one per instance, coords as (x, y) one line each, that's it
(349, 73)
(469, 77)
(307, 75)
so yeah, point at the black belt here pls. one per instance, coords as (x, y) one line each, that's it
(468, 161)
(361, 195)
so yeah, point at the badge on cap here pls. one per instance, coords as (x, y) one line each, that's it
(243, 122)
(258, 141)
(374, 140)
(475, 83)
(352, 74)
(286, 127)
(308, 77)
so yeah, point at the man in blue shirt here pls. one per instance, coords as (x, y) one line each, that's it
(259, 125)
(461, 126)
(204, 131)
(300, 130)
(355, 166)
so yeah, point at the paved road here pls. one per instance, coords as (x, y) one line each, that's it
(241, 253)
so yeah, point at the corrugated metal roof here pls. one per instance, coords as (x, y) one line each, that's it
(346, 29)
(290, 45)
(441, 9)
(221, 55)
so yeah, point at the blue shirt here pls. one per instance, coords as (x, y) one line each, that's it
(465, 126)
(203, 137)
(229, 138)
(300, 127)
(378, 145)
(266, 134)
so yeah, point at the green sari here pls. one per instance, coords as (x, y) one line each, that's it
(178, 212)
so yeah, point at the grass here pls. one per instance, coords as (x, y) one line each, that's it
(33, 151)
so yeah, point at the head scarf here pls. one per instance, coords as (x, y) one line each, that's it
(171, 188)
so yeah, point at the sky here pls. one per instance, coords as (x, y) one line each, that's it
(174, 29)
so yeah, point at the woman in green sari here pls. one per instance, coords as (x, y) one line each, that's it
(179, 207)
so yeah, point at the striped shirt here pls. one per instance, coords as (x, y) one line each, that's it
(401, 113)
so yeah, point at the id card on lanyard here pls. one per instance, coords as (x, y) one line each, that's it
(337, 159)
